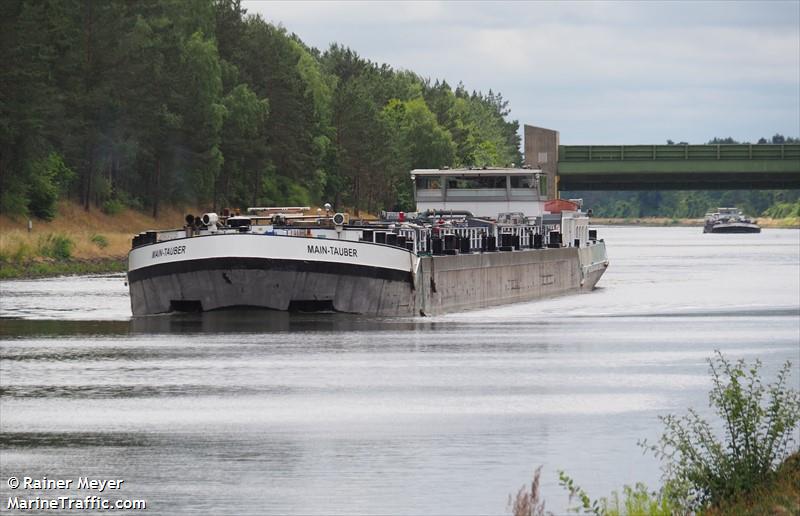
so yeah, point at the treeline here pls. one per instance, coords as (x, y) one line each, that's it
(689, 204)
(694, 203)
(777, 139)
(119, 103)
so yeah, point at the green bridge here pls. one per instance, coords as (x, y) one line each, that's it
(678, 167)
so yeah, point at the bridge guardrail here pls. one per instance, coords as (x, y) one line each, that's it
(583, 153)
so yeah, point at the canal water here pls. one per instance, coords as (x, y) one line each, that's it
(262, 412)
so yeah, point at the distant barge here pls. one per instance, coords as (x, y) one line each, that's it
(729, 220)
(424, 263)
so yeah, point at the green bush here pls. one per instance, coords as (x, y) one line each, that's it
(113, 207)
(100, 241)
(55, 246)
(703, 472)
(42, 191)
(47, 178)
(635, 501)
(759, 422)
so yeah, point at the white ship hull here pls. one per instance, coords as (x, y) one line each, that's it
(218, 271)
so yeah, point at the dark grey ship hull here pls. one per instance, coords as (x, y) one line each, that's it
(737, 227)
(470, 281)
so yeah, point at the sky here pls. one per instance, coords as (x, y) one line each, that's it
(636, 72)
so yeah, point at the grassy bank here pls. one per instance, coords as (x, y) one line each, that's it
(777, 495)
(74, 242)
(764, 222)
(41, 269)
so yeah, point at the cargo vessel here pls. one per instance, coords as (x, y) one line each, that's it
(729, 220)
(452, 254)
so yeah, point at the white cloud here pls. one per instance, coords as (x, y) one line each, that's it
(348, 13)
(595, 70)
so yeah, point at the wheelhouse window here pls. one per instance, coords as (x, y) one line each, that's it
(476, 182)
(429, 182)
(522, 182)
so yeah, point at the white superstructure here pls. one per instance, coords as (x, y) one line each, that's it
(484, 192)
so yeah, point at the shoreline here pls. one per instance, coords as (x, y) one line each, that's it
(76, 241)
(53, 268)
(764, 223)
(79, 242)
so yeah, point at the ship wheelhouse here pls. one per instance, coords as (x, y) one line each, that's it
(483, 192)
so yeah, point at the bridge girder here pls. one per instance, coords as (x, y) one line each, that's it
(679, 167)
(680, 181)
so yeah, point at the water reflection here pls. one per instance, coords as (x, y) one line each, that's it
(76, 439)
(257, 321)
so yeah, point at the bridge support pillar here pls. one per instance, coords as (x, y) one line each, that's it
(541, 151)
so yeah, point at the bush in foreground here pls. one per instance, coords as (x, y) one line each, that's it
(780, 495)
(760, 423)
(635, 501)
(747, 471)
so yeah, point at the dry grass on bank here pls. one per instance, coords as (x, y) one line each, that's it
(788, 223)
(94, 234)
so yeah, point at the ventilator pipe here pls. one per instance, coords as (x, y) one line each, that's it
(210, 218)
